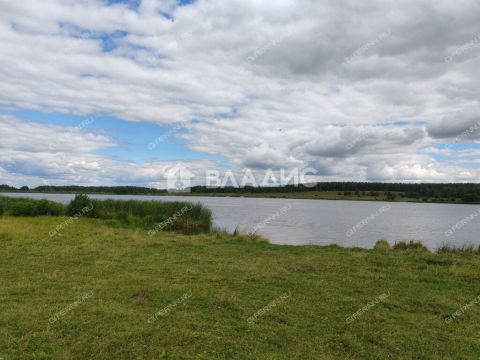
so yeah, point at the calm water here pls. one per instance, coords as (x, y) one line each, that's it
(297, 222)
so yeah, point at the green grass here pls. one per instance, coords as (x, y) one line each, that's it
(179, 216)
(29, 207)
(464, 249)
(411, 245)
(105, 283)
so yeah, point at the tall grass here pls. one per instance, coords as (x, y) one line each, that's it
(383, 245)
(30, 207)
(178, 216)
(183, 217)
(411, 245)
(463, 249)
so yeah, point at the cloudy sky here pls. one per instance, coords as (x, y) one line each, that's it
(114, 92)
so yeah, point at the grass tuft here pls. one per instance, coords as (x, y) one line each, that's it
(382, 245)
(411, 245)
(464, 249)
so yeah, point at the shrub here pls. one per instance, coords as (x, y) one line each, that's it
(411, 245)
(46, 207)
(30, 207)
(78, 205)
(382, 245)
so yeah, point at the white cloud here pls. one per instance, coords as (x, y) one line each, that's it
(32, 153)
(298, 102)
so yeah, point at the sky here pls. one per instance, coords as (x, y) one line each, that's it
(116, 92)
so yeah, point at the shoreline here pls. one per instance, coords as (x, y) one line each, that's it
(285, 196)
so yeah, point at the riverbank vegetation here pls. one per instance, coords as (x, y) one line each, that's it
(29, 207)
(447, 193)
(441, 193)
(173, 216)
(69, 189)
(101, 291)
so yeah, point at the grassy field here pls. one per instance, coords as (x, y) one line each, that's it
(102, 292)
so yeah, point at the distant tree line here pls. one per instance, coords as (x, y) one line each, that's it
(442, 192)
(450, 192)
(116, 190)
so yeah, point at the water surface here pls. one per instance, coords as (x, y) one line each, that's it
(321, 222)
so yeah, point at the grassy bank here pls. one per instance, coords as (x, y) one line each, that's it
(104, 292)
(464, 193)
(174, 216)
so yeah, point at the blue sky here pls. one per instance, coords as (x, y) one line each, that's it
(132, 138)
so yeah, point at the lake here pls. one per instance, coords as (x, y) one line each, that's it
(322, 222)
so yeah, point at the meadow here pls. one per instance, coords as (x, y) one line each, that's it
(101, 290)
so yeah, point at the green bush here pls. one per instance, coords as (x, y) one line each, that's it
(382, 245)
(411, 245)
(80, 205)
(46, 207)
(30, 207)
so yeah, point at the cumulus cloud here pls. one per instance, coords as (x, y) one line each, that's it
(463, 125)
(36, 154)
(360, 91)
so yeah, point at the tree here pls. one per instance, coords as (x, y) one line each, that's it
(470, 197)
